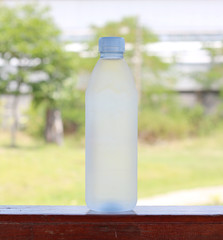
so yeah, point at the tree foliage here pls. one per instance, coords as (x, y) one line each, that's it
(128, 29)
(32, 53)
(213, 77)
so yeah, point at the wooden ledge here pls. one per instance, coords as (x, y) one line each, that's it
(73, 222)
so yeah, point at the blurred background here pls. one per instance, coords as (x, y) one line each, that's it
(47, 52)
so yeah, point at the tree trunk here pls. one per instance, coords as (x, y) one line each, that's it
(54, 127)
(15, 121)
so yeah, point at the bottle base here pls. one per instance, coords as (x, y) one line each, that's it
(111, 207)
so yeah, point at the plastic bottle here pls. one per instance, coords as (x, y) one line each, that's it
(111, 131)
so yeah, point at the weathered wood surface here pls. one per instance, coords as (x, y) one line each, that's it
(72, 222)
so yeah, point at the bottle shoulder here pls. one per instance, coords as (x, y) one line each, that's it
(113, 74)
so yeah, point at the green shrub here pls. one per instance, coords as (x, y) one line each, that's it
(162, 116)
(154, 124)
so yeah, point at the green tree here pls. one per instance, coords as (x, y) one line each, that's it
(147, 68)
(33, 59)
(214, 75)
(144, 64)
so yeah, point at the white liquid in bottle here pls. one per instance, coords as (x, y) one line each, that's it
(111, 132)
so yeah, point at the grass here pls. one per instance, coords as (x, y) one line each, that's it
(35, 173)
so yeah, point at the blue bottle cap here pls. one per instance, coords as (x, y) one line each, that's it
(111, 45)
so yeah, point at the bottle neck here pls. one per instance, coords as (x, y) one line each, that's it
(111, 55)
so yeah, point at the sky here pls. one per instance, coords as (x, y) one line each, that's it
(162, 16)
